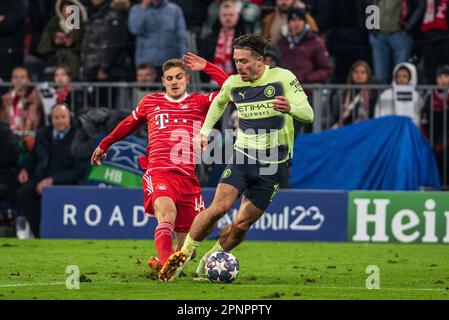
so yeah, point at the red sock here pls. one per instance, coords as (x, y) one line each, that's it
(163, 240)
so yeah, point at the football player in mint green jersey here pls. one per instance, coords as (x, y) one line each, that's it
(267, 100)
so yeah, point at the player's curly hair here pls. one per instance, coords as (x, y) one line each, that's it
(257, 44)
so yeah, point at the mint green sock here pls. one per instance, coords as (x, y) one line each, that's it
(217, 247)
(190, 245)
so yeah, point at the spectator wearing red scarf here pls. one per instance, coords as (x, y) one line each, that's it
(21, 106)
(217, 46)
(61, 93)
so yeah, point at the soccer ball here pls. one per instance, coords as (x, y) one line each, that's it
(222, 267)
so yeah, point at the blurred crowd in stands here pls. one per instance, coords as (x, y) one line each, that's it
(320, 41)
(113, 37)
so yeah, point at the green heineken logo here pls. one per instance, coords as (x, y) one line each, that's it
(226, 173)
(269, 91)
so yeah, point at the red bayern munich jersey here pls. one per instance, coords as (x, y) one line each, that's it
(172, 124)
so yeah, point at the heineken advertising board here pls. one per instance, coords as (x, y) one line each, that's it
(398, 217)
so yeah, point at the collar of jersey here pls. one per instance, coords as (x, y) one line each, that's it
(179, 100)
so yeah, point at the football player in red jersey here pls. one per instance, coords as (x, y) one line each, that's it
(171, 190)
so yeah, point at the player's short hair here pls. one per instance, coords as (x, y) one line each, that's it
(256, 44)
(173, 63)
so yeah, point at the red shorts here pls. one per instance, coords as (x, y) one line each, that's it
(184, 191)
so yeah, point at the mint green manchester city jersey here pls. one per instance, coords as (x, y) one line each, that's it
(262, 128)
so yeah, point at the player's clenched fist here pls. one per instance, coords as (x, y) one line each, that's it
(281, 104)
(98, 155)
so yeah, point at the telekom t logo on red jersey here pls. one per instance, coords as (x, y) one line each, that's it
(161, 120)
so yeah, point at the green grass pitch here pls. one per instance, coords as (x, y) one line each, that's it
(115, 269)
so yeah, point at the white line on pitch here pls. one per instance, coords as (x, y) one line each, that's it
(240, 285)
(30, 284)
(387, 289)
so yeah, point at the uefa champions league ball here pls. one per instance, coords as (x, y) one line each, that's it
(222, 267)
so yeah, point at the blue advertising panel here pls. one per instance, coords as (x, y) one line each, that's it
(296, 215)
(117, 213)
(95, 213)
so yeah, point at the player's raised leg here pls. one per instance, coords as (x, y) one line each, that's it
(247, 215)
(202, 226)
(204, 222)
(165, 212)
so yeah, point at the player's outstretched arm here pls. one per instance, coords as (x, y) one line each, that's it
(216, 74)
(217, 109)
(121, 131)
(197, 63)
